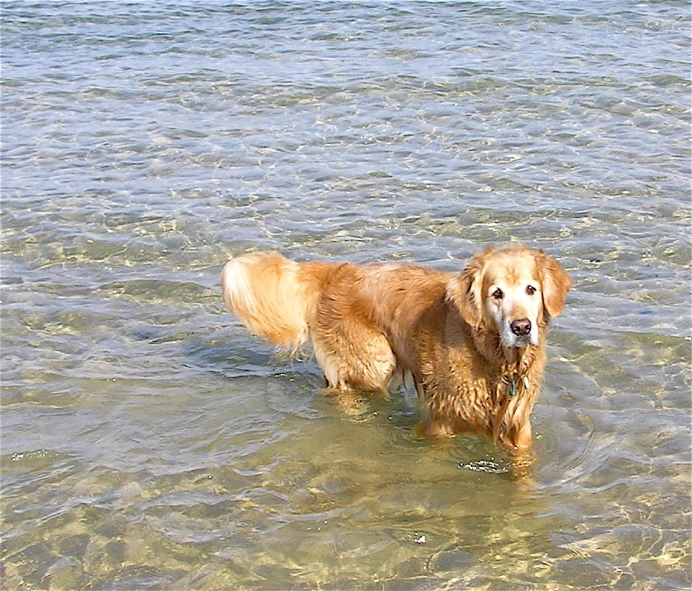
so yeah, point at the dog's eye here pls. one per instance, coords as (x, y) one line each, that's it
(530, 289)
(497, 294)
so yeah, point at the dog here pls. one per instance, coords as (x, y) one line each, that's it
(474, 342)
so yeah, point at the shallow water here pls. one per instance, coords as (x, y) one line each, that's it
(148, 442)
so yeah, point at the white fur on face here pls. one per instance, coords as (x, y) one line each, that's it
(507, 302)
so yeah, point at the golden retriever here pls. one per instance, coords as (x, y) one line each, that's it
(473, 342)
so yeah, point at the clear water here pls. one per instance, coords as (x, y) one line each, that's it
(149, 443)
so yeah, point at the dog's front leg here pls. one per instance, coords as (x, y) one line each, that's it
(521, 456)
(523, 438)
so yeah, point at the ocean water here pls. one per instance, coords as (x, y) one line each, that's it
(149, 442)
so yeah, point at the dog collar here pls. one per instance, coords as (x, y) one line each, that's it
(514, 384)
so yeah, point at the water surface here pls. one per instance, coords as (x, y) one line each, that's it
(148, 442)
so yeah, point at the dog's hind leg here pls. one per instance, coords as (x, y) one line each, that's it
(355, 357)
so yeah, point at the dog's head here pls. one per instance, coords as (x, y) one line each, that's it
(514, 290)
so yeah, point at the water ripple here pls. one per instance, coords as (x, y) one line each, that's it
(144, 433)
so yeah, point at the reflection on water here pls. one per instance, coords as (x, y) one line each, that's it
(149, 442)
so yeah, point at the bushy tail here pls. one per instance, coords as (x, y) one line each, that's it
(271, 296)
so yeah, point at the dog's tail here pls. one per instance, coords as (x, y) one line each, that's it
(273, 296)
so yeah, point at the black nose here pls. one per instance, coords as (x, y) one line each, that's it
(521, 327)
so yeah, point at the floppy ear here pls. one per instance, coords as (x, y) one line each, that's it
(465, 291)
(555, 283)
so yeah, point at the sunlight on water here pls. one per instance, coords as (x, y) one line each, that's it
(148, 442)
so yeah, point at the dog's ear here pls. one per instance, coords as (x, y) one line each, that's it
(465, 291)
(555, 283)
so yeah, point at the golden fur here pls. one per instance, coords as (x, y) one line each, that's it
(473, 342)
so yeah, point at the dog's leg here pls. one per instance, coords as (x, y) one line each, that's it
(436, 429)
(524, 437)
(522, 459)
(354, 358)
(518, 439)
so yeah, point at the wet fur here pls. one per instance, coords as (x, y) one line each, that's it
(371, 323)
